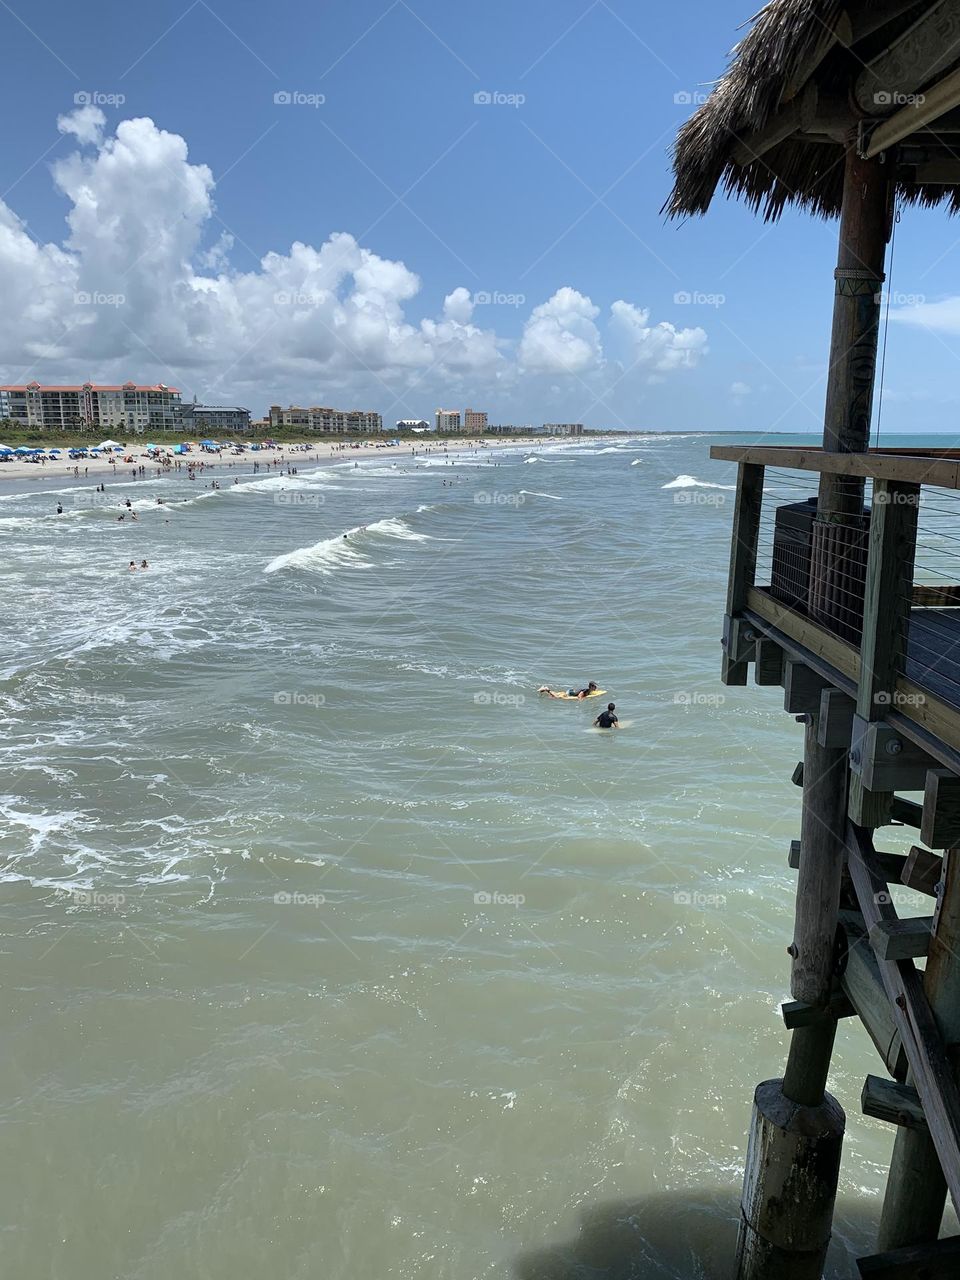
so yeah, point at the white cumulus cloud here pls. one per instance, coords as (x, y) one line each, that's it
(146, 284)
(561, 336)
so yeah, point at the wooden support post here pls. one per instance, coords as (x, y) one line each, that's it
(922, 871)
(940, 1261)
(862, 984)
(835, 722)
(822, 831)
(793, 1156)
(916, 1190)
(743, 558)
(893, 537)
(793, 1161)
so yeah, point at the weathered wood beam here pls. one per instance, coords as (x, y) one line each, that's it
(922, 871)
(835, 720)
(939, 1261)
(797, 1013)
(902, 939)
(890, 556)
(944, 173)
(931, 1068)
(863, 987)
(935, 102)
(907, 812)
(743, 557)
(917, 468)
(769, 663)
(923, 51)
(891, 1101)
(802, 687)
(940, 824)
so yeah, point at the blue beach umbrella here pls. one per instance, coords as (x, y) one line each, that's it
(22, 448)
(5, 448)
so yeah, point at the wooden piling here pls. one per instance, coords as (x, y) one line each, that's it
(916, 1189)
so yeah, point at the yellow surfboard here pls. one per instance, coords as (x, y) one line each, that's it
(572, 697)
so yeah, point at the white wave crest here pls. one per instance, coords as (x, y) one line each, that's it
(691, 482)
(532, 493)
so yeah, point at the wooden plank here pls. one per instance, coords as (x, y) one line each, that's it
(743, 556)
(838, 653)
(891, 1101)
(930, 1065)
(939, 1261)
(863, 987)
(911, 61)
(797, 1013)
(911, 700)
(793, 859)
(912, 467)
(902, 939)
(922, 871)
(940, 824)
(886, 609)
(907, 812)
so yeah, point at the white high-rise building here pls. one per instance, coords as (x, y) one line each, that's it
(448, 420)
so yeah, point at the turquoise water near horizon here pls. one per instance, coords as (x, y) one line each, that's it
(330, 947)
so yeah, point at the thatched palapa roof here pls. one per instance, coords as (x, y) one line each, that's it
(799, 90)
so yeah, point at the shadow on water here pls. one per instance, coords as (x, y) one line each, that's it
(680, 1236)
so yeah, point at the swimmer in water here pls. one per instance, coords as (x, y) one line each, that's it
(607, 719)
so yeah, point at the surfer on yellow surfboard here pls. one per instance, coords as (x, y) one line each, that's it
(591, 691)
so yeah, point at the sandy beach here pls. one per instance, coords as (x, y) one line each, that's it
(287, 452)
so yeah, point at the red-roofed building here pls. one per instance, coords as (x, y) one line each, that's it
(131, 408)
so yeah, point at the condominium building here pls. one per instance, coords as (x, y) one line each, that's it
(338, 422)
(215, 417)
(448, 420)
(130, 407)
(474, 421)
(563, 428)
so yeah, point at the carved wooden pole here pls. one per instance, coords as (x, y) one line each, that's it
(796, 1132)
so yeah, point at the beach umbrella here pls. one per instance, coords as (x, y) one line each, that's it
(54, 451)
(21, 448)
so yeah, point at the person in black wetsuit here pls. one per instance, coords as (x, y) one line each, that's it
(607, 719)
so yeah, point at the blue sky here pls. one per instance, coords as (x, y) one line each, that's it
(546, 201)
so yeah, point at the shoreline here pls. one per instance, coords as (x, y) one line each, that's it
(271, 460)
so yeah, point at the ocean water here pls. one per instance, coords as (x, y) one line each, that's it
(330, 948)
